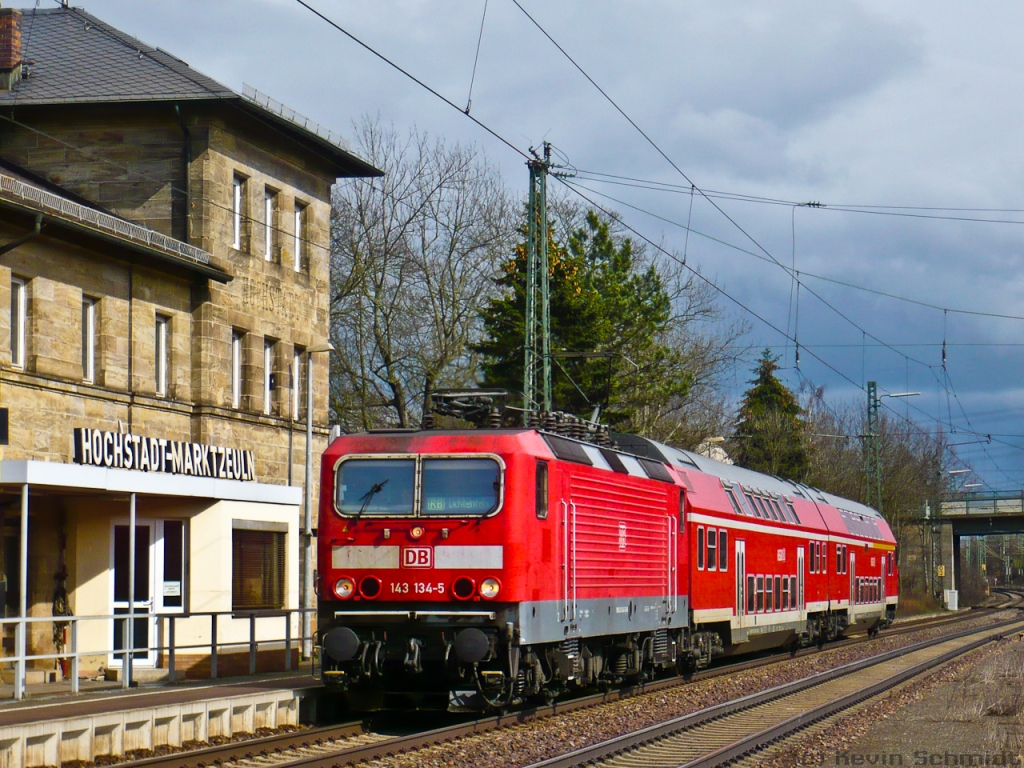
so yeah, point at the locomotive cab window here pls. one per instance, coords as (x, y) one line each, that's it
(418, 486)
(542, 490)
(376, 487)
(457, 487)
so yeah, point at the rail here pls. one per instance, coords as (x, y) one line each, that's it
(161, 625)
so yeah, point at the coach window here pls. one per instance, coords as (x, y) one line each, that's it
(792, 509)
(793, 596)
(785, 593)
(759, 591)
(839, 558)
(376, 487)
(542, 490)
(778, 593)
(700, 547)
(712, 543)
(723, 550)
(752, 505)
(775, 505)
(823, 560)
(766, 511)
(732, 500)
(460, 486)
(750, 594)
(811, 565)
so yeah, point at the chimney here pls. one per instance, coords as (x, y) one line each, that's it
(10, 48)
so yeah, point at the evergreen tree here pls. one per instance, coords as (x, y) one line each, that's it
(608, 317)
(769, 434)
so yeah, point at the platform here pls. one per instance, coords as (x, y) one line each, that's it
(54, 726)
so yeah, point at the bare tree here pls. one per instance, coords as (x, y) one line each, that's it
(413, 254)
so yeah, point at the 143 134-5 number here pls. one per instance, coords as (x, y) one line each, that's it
(417, 588)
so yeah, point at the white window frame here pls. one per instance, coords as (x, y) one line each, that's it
(237, 182)
(268, 225)
(268, 370)
(711, 547)
(300, 210)
(160, 354)
(88, 339)
(236, 369)
(19, 318)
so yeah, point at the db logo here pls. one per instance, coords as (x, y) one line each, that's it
(417, 557)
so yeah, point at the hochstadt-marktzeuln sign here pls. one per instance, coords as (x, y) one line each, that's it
(119, 450)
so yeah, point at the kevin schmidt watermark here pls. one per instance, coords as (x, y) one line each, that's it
(923, 757)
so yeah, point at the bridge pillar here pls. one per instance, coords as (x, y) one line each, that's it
(949, 558)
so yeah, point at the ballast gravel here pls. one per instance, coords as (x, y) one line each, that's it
(547, 737)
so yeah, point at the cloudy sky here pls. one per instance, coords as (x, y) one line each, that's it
(902, 119)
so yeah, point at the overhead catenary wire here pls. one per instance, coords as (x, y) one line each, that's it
(504, 141)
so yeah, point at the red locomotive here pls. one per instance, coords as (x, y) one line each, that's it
(483, 567)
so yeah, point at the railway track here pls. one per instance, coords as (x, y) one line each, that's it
(352, 743)
(719, 735)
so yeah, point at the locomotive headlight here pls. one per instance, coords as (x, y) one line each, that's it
(344, 588)
(416, 532)
(489, 589)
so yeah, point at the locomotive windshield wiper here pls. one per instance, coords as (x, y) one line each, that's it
(367, 497)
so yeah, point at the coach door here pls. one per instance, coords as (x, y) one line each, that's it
(800, 578)
(741, 577)
(853, 581)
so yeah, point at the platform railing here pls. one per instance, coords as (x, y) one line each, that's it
(164, 627)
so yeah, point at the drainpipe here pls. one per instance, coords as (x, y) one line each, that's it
(24, 238)
(188, 173)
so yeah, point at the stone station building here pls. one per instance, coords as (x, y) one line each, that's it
(164, 258)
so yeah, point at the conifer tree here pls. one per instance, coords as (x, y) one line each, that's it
(769, 435)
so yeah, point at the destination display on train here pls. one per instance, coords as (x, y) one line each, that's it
(118, 450)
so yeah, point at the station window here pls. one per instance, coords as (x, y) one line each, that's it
(161, 353)
(173, 588)
(542, 490)
(723, 550)
(700, 547)
(88, 339)
(269, 204)
(237, 201)
(19, 317)
(298, 383)
(712, 544)
(257, 569)
(759, 592)
(299, 227)
(269, 380)
(750, 594)
(236, 369)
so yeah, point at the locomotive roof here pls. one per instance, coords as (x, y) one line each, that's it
(687, 460)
